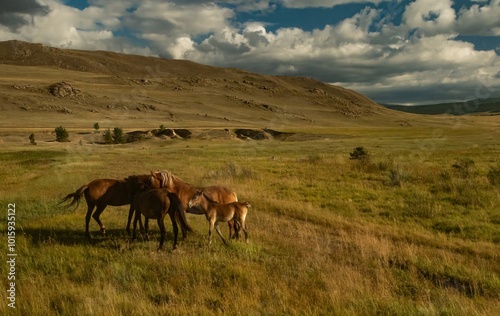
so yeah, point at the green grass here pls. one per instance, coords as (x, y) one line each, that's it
(404, 233)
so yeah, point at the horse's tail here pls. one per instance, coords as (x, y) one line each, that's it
(75, 196)
(179, 213)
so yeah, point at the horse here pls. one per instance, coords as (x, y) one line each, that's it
(100, 193)
(155, 204)
(185, 191)
(217, 212)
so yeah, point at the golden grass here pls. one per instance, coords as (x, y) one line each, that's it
(328, 235)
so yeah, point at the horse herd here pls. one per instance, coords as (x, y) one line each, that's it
(158, 194)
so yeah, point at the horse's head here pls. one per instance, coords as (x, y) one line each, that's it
(153, 181)
(196, 199)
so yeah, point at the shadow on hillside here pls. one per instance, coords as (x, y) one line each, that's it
(47, 236)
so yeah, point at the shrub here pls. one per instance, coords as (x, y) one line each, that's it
(362, 161)
(96, 127)
(464, 167)
(118, 136)
(360, 153)
(32, 139)
(61, 134)
(108, 139)
(396, 176)
(494, 175)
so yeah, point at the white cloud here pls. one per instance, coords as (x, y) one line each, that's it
(323, 3)
(170, 18)
(480, 20)
(430, 17)
(366, 52)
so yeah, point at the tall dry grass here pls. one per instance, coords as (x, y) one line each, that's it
(397, 235)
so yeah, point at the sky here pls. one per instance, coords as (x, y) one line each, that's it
(393, 51)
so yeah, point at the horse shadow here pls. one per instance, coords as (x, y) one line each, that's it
(67, 237)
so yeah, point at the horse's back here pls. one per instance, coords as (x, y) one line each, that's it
(109, 191)
(220, 194)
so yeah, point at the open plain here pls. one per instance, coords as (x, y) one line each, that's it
(412, 227)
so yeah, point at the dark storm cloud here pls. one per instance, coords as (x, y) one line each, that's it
(14, 14)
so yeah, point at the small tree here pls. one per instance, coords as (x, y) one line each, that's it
(118, 136)
(96, 127)
(108, 139)
(162, 128)
(61, 134)
(32, 139)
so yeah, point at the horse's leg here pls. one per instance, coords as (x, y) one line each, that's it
(96, 215)
(232, 230)
(243, 225)
(211, 224)
(146, 227)
(220, 234)
(161, 224)
(175, 228)
(137, 214)
(130, 214)
(90, 208)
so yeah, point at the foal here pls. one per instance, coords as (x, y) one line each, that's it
(156, 204)
(216, 212)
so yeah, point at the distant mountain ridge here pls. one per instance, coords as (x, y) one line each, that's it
(489, 106)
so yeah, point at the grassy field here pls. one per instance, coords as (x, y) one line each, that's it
(413, 229)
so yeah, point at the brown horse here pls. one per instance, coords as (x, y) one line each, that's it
(155, 204)
(216, 212)
(100, 193)
(185, 191)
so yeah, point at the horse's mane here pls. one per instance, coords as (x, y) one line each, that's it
(167, 178)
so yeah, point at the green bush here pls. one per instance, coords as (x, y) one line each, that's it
(96, 127)
(108, 139)
(359, 153)
(32, 139)
(61, 134)
(118, 136)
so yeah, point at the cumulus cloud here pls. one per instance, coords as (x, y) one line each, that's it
(480, 20)
(15, 14)
(417, 58)
(296, 4)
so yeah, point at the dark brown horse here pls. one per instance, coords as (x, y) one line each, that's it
(156, 204)
(185, 191)
(100, 193)
(216, 212)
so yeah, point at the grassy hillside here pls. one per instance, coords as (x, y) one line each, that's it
(412, 229)
(42, 84)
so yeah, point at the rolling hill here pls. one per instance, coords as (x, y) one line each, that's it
(43, 86)
(489, 106)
